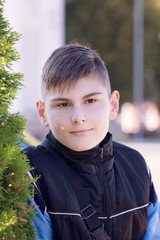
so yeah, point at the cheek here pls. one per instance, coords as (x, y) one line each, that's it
(56, 120)
(59, 125)
(102, 120)
(102, 113)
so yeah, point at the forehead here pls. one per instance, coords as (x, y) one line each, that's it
(83, 87)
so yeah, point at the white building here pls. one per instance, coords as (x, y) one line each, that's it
(42, 25)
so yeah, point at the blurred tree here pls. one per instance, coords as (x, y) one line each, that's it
(108, 27)
(15, 214)
(152, 50)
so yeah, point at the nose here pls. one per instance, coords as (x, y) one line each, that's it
(78, 116)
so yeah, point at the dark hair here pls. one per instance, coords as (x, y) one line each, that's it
(69, 63)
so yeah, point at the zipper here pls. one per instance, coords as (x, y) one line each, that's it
(101, 154)
(105, 191)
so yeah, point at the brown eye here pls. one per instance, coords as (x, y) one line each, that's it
(90, 101)
(63, 105)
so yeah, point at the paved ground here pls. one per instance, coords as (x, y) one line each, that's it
(151, 153)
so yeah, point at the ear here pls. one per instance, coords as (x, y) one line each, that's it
(41, 113)
(114, 105)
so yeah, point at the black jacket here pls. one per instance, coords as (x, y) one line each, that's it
(111, 179)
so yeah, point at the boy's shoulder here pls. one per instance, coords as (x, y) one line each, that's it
(32, 151)
(36, 154)
(127, 152)
(40, 157)
(122, 147)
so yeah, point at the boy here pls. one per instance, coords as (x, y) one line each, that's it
(91, 187)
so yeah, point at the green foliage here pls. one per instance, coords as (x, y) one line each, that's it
(10, 82)
(15, 214)
(15, 184)
(108, 27)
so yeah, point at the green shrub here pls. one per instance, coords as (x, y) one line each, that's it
(15, 185)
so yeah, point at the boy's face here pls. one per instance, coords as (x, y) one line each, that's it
(79, 117)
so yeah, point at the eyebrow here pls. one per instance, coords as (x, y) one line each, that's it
(91, 94)
(67, 99)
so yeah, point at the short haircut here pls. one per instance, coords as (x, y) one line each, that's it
(69, 63)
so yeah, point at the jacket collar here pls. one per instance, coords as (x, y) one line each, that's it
(87, 161)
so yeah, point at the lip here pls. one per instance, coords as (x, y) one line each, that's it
(80, 132)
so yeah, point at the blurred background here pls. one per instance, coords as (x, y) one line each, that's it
(125, 33)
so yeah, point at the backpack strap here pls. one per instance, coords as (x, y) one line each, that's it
(94, 226)
(88, 213)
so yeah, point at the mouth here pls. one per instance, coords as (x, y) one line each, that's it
(81, 132)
